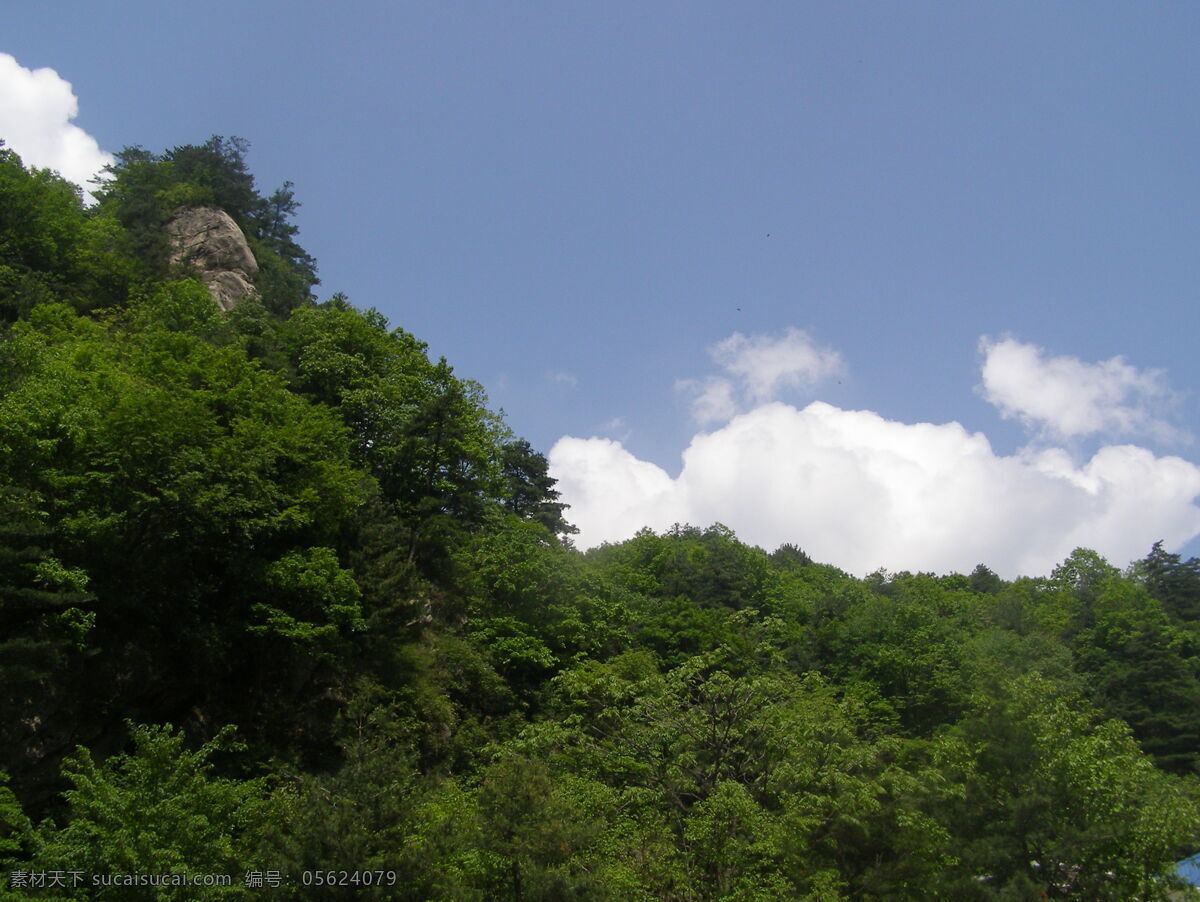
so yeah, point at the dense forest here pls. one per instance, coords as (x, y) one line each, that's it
(282, 599)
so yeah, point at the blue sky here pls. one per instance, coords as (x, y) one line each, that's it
(775, 236)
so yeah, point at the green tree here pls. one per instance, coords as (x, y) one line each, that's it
(144, 190)
(51, 249)
(1173, 581)
(157, 809)
(184, 480)
(15, 829)
(357, 817)
(768, 786)
(45, 621)
(1144, 668)
(537, 830)
(909, 644)
(41, 225)
(529, 489)
(984, 579)
(426, 436)
(1062, 803)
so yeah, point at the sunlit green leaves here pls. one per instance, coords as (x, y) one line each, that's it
(158, 809)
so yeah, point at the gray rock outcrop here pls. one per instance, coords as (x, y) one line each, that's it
(208, 239)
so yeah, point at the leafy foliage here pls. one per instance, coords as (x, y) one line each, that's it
(157, 810)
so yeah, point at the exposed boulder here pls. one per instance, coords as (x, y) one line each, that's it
(208, 239)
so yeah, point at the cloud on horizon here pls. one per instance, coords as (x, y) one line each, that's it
(857, 490)
(36, 109)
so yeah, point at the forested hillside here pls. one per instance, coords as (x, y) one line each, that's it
(282, 599)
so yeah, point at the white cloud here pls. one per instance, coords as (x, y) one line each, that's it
(566, 379)
(766, 365)
(36, 109)
(759, 368)
(713, 400)
(1066, 398)
(614, 491)
(862, 492)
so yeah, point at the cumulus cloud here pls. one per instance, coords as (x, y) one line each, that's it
(1065, 398)
(615, 493)
(36, 109)
(766, 364)
(759, 368)
(862, 492)
(567, 379)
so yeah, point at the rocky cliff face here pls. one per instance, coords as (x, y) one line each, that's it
(208, 239)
